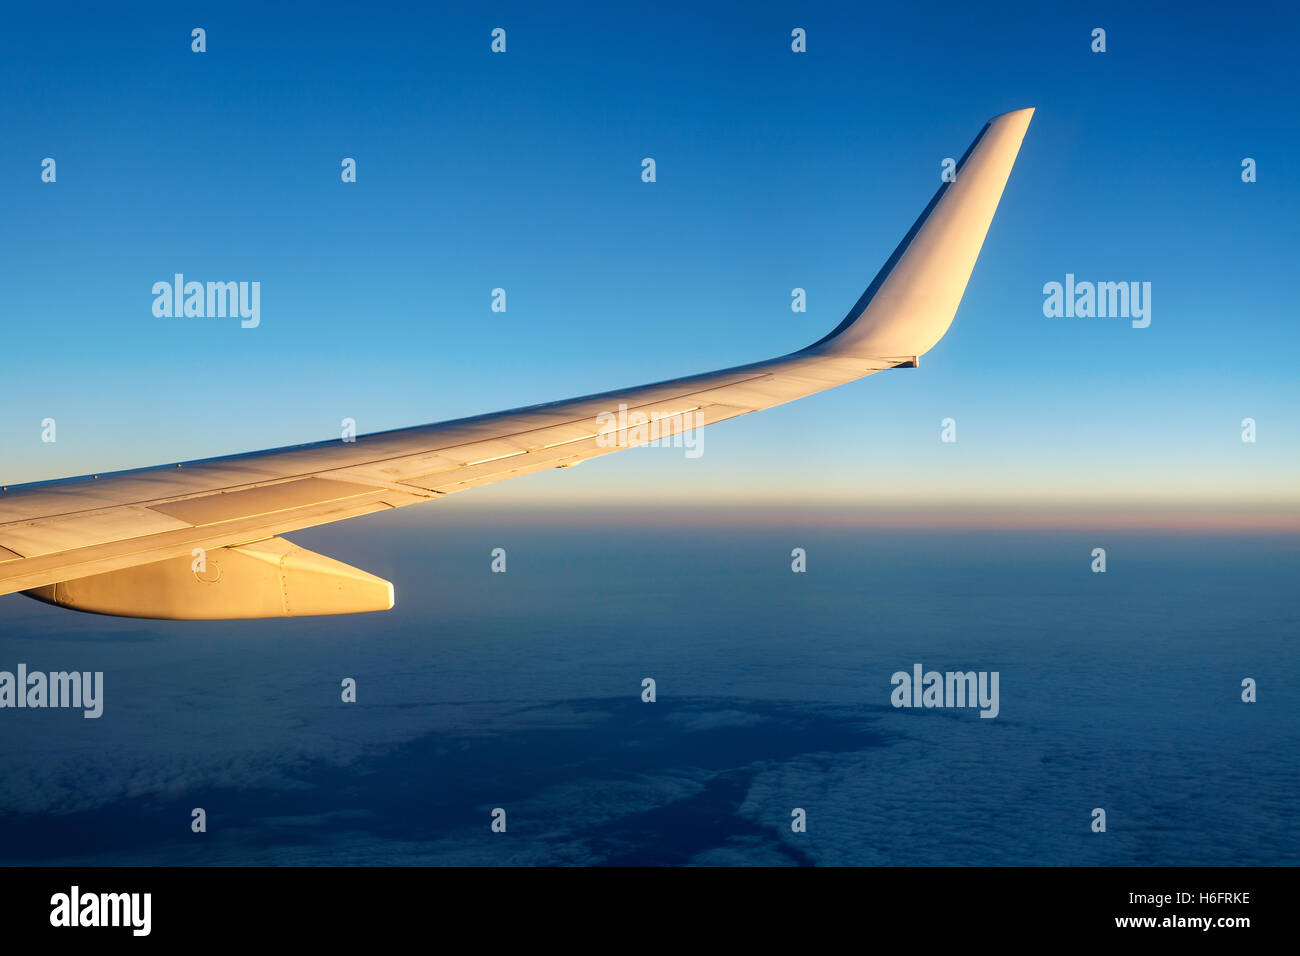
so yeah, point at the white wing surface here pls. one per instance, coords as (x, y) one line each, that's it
(199, 540)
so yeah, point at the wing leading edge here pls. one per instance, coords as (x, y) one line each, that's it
(135, 543)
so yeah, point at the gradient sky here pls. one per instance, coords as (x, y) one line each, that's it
(775, 170)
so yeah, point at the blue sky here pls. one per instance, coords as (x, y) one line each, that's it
(775, 170)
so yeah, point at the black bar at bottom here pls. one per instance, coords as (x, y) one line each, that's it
(334, 905)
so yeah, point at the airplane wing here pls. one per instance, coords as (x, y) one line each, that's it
(200, 539)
